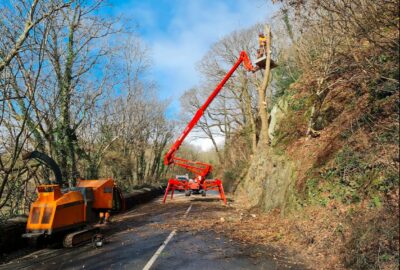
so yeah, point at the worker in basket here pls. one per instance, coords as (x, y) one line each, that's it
(262, 42)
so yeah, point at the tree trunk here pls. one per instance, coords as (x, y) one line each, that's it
(67, 133)
(262, 101)
(251, 120)
(316, 110)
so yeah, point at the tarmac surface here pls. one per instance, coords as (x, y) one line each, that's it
(133, 242)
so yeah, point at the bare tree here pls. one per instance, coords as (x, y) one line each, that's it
(235, 107)
(75, 87)
(321, 39)
(135, 127)
(19, 80)
(75, 48)
(33, 13)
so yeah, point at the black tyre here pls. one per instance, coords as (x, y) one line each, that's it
(187, 193)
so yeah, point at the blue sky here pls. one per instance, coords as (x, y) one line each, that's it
(179, 33)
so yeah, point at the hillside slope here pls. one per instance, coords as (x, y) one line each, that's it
(343, 182)
(329, 180)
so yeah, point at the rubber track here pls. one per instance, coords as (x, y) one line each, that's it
(80, 237)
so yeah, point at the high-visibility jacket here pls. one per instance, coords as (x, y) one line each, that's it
(262, 41)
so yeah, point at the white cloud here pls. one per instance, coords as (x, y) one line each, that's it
(195, 26)
(205, 144)
(190, 32)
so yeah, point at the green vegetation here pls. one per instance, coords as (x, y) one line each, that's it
(335, 146)
(351, 179)
(341, 125)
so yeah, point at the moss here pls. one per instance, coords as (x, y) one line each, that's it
(327, 116)
(350, 180)
(373, 239)
(390, 135)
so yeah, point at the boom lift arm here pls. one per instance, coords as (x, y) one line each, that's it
(201, 169)
(170, 156)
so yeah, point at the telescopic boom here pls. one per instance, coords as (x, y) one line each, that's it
(169, 157)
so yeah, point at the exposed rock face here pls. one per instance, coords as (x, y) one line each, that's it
(269, 180)
(277, 114)
(270, 177)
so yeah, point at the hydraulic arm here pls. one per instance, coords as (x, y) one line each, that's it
(201, 169)
(169, 157)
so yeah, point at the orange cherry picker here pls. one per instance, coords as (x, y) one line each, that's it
(200, 184)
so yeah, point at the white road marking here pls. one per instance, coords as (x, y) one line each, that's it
(161, 248)
(187, 211)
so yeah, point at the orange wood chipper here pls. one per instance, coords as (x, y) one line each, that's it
(69, 212)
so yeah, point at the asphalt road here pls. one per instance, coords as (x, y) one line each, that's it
(132, 241)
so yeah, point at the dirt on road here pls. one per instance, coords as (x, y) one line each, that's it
(133, 238)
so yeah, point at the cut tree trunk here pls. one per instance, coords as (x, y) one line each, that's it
(262, 102)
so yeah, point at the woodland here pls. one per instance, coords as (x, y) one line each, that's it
(313, 142)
